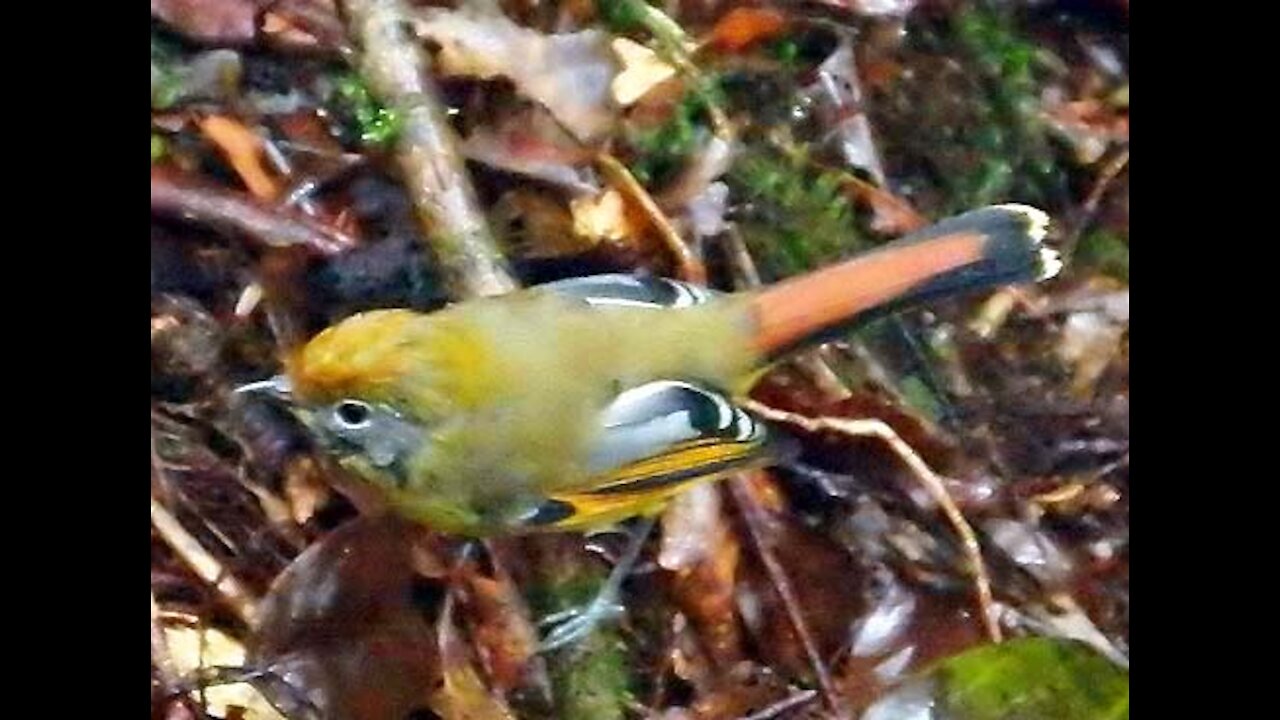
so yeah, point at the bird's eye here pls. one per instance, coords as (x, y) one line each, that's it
(353, 414)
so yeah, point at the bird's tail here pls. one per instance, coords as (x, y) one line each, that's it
(993, 246)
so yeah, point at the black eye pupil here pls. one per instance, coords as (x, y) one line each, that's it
(353, 413)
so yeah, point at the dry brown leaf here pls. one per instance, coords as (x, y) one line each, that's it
(502, 629)
(212, 21)
(462, 695)
(701, 551)
(568, 73)
(606, 216)
(305, 489)
(827, 583)
(339, 632)
(743, 27)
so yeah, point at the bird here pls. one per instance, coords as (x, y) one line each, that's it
(581, 403)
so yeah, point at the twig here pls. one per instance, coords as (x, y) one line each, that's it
(690, 267)
(204, 565)
(1110, 171)
(755, 519)
(160, 656)
(241, 215)
(316, 21)
(789, 702)
(743, 266)
(431, 164)
(930, 480)
(674, 45)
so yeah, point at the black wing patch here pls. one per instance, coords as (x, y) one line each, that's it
(654, 440)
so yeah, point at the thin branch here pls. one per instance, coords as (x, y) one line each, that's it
(1110, 171)
(160, 656)
(431, 164)
(789, 702)
(930, 480)
(237, 597)
(315, 20)
(754, 518)
(690, 268)
(239, 214)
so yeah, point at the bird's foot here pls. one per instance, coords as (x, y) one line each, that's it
(574, 625)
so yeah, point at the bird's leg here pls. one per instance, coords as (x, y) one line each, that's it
(575, 624)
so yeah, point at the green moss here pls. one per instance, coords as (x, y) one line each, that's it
(662, 151)
(590, 680)
(1010, 141)
(374, 124)
(593, 683)
(786, 51)
(166, 84)
(917, 393)
(1041, 678)
(158, 147)
(798, 218)
(1105, 252)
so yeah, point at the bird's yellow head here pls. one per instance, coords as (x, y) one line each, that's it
(366, 356)
(362, 389)
(392, 395)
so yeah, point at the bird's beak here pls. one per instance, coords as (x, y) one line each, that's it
(277, 387)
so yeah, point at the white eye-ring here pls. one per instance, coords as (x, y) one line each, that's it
(352, 415)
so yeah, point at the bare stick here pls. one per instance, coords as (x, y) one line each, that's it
(160, 656)
(1089, 208)
(755, 519)
(789, 702)
(930, 480)
(178, 195)
(431, 165)
(204, 565)
(690, 268)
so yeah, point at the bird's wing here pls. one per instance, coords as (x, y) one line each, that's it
(632, 291)
(655, 440)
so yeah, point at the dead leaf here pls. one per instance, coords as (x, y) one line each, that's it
(642, 71)
(603, 217)
(824, 577)
(305, 489)
(462, 695)
(502, 629)
(743, 27)
(568, 73)
(339, 632)
(702, 553)
(230, 22)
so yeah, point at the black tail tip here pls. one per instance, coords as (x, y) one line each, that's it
(1014, 249)
(1028, 228)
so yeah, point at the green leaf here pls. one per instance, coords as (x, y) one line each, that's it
(1024, 679)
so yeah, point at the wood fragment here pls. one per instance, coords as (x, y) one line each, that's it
(398, 70)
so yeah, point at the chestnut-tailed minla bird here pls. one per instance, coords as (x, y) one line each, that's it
(580, 403)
